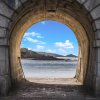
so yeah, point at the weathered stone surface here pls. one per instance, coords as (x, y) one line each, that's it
(96, 13)
(98, 56)
(17, 4)
(5, 10)
(23, 1)
(96, 3)
(4, 84)
(3, 67)
(10, 3)
(4, 70)
(90, 4)
(98, 86)
(97, 24)
(13, 4)
(96, 43)
(94, 26)
(97, 34)
(50, 4)
(27, 91)
(2, 32)
(2, 53)
(98, 69)
(3, 41)
(4, 21)
(65, 8)
(81, 1)
(4, 62)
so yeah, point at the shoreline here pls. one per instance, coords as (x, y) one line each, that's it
(40, 59)
(50, 59)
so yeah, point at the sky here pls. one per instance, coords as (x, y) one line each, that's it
(52, 37)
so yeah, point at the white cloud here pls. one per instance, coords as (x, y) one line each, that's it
(43, 22)
(34, 34)
(62, 51)
(35, 40)
(67, 44)
(32, 40)
(29, 48)
(51, 51)
(39, 36)
(40, 47)
(31, 34)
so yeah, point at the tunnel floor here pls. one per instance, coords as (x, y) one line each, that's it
(38, 91)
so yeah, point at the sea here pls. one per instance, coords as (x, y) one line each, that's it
(48, 68)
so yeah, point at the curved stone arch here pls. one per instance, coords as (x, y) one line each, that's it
(13, 10)
(60, 14)
(19, 31)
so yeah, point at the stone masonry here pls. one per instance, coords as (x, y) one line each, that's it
(16, 15)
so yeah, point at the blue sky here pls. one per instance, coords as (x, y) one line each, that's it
(52, 37)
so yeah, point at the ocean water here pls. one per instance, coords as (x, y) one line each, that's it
(48, 68)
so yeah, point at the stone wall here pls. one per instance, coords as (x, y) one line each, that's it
(11, 11)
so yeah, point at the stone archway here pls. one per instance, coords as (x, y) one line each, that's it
(70, 12)
(20, 29)
(35, 15)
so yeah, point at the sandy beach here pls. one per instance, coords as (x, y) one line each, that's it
(61, 81)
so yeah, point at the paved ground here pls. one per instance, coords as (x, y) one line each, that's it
(38, 91)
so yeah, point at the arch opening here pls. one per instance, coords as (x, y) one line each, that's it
(81, 17)
(49, 50)
(68, 20)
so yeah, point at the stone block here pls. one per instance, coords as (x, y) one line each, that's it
(94, 26)
(98, 69)
(97, 34)
(95, 13)
(4, 21)
(14, 4)
(2, 32)
(5, 10)
(23, 1)
(81, 1)
(97, 24)
(98, 55)
(10, 3)
(4, 68)
(50, 4)
(97, 2)
(4, 61)
(2, 53)
(4, 84)
(97, 86)
(90, 4)
(17, 4)
(96, 43)
(3, 41)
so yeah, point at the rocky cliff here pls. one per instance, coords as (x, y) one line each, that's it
(25, 53)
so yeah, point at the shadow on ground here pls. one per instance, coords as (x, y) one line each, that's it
(35, 91)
